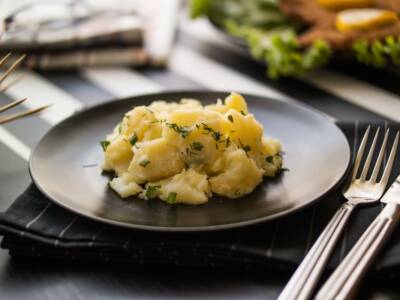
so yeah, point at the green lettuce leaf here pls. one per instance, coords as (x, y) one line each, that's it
(378, 53)
(270, 36)
(278, 49)
(199, 8)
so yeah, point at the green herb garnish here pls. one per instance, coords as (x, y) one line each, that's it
(152, 191)
(119, 128)
(144, 163)
(197, 146)
(207, 128)
(247, 148)
(183, 131)
(134, 139)
(228, 142)
(171, 199)
(230, 117)
(269, 159)
(242, 112)
(216, 135)
(104, 145)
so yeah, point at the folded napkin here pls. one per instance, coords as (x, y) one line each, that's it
(75, 34)
(35, 226)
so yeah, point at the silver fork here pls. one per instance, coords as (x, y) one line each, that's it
(359, 191)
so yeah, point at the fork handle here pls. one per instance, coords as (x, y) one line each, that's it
(343, 283)
(304, 280)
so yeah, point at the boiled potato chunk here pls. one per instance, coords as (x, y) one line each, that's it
(182, 152)
(271, 146)
(219, 107)
(236, 101)
(125, 186)
(247, 133)
(154, 160)
(188, 187)
(240, 176)
(118, 155)
(197, 133)
(168, 107)
(273, 159)
(142, 123)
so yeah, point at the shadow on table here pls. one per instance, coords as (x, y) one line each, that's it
(40, 279)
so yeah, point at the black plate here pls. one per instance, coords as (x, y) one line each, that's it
(66, 167)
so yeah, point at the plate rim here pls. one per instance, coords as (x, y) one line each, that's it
(217, 227)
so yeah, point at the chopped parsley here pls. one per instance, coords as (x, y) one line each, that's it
(152, 191)
(183, 131)
(144, 163)
(171, 199)
(207, 128)
(228, 142)
(269, 159)
(230, 117)
(215, 134)
(104, 145)
(242, 112)
(197, 146)
(190, 152)
(247, 148)
(119, 127)
(134, 139)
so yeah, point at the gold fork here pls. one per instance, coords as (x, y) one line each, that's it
(11, 117)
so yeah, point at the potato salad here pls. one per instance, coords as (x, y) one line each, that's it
(183, 152)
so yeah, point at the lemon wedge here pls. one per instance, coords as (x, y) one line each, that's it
(343, 4)
(364, 18)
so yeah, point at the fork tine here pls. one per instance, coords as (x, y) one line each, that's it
(13, 66)
(360, 153)
(5, 58)
(389, 165)
(12, 104)
(378, 162)
(369, 157)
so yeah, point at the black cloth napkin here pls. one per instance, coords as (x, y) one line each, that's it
(35, 226)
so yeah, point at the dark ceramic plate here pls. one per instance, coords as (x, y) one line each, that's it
(66, 167)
